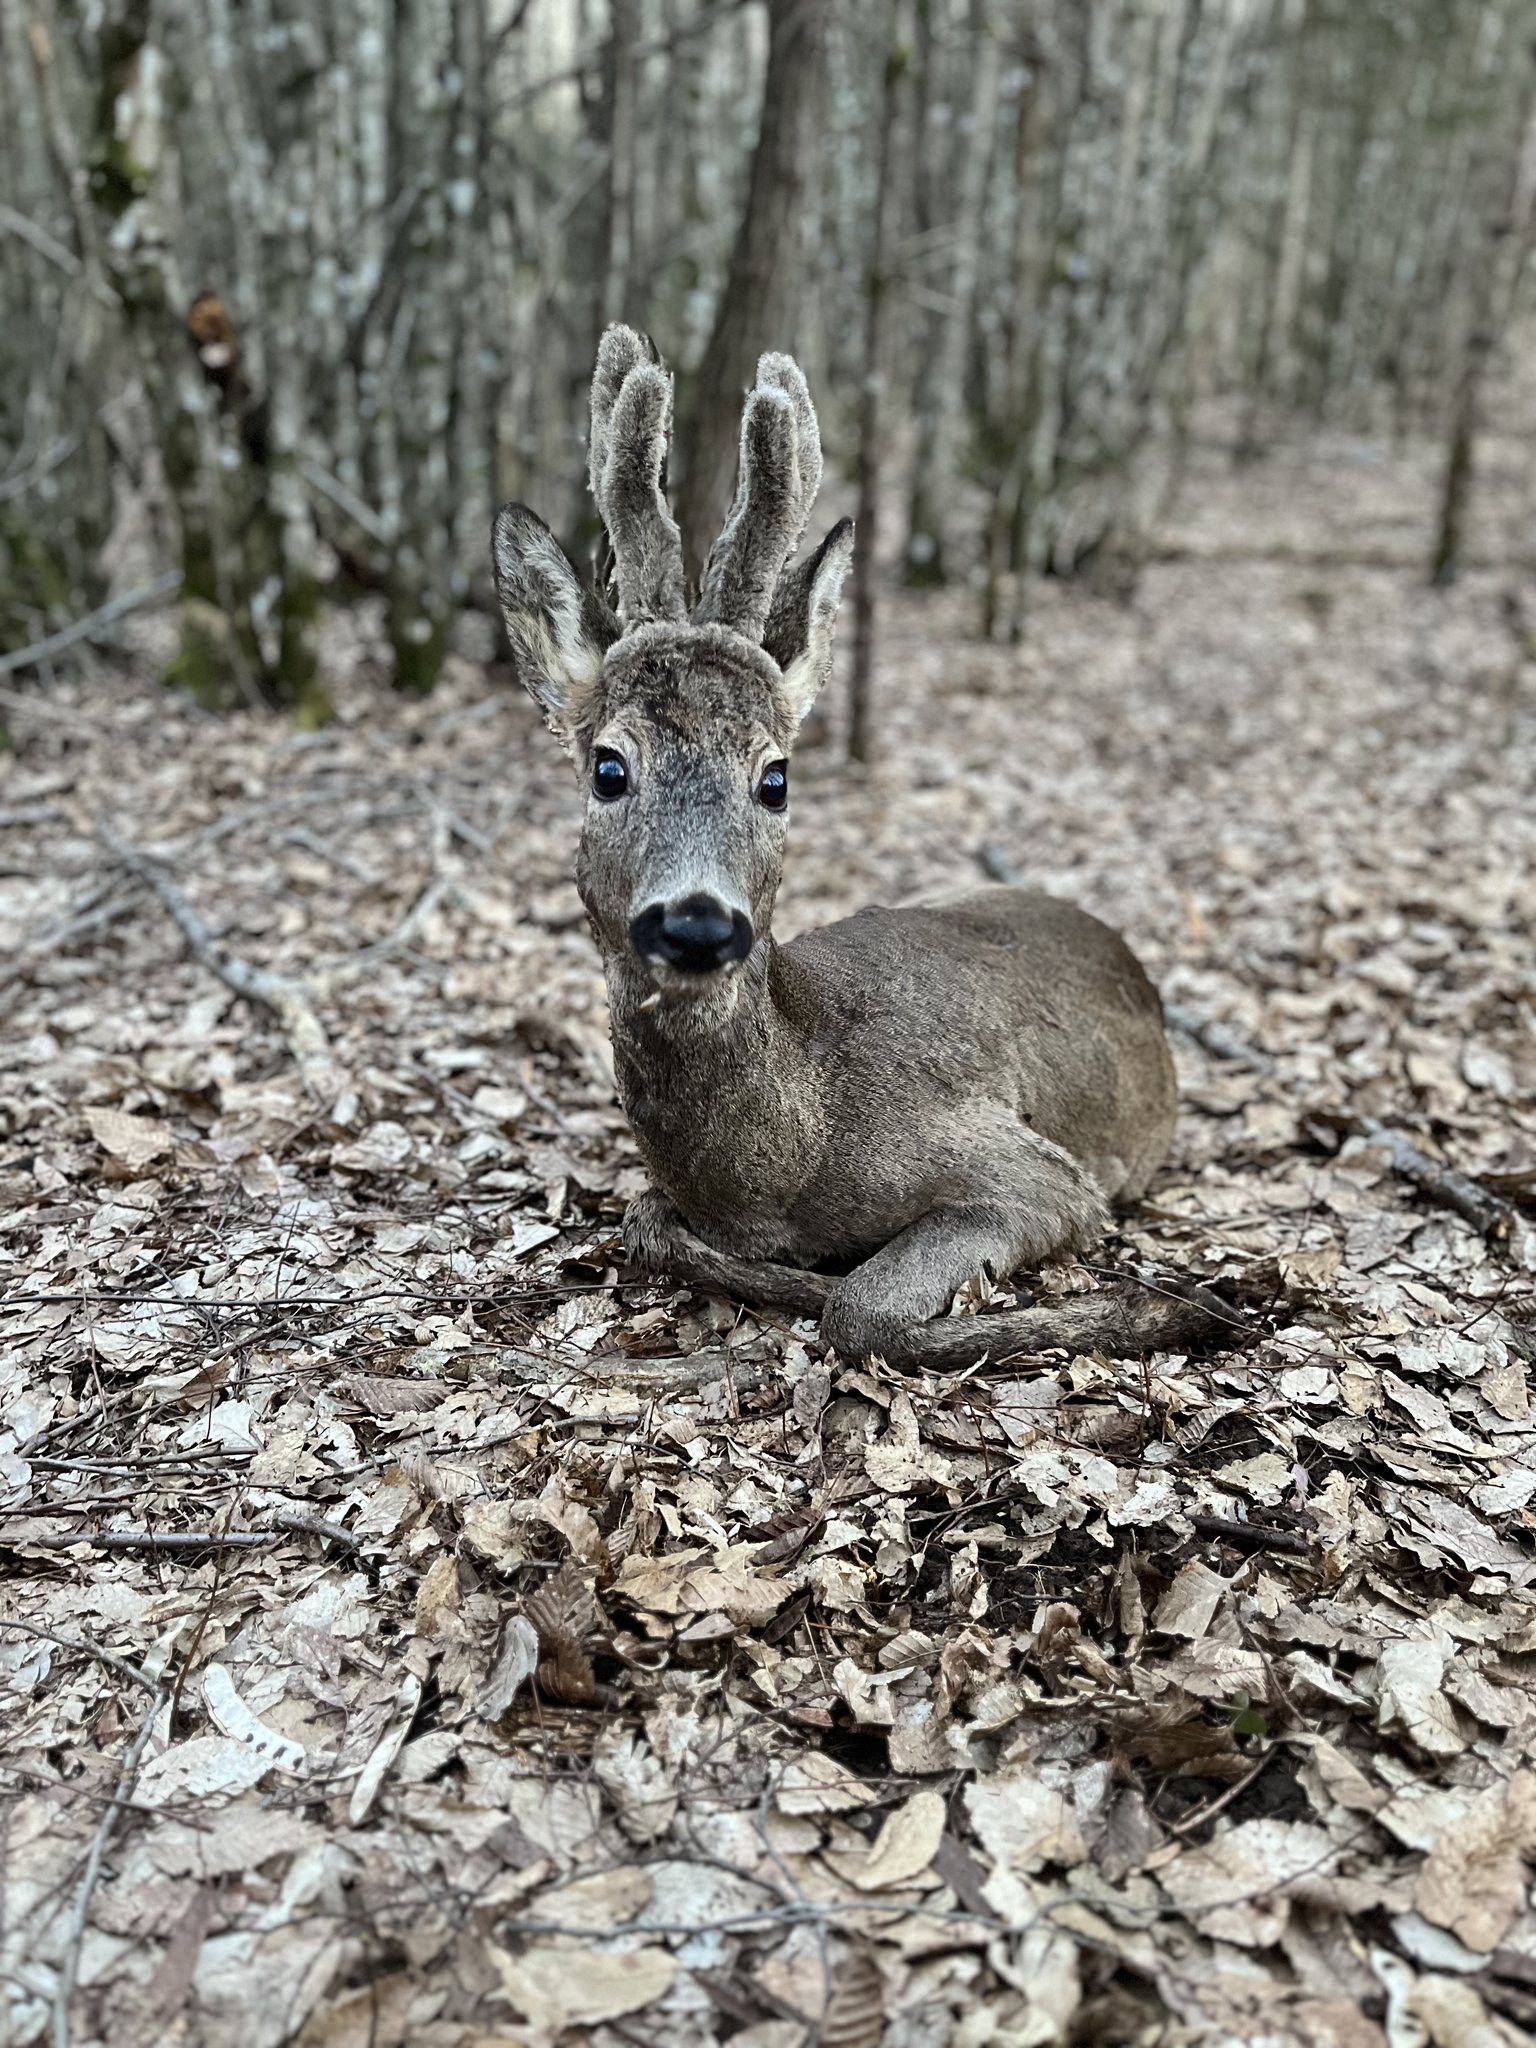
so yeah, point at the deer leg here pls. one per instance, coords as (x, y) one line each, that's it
(893, 1304)
(912, 1280)
(657, 1238)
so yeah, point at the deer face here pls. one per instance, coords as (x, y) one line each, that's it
(687, 777)
(680, 730)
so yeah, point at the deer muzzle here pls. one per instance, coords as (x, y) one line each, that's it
(696, 934)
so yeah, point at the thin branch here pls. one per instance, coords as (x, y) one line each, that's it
(38, 238)
(349, 503)
(1216, 1038)
(156, 1539)
(83, 629)
(69, 1969)
(1500, 1223)
(110, 1658)
(658, 46)
(1252, 1535)
(52, 457)
(288, 1001)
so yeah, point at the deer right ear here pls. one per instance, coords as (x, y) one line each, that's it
(558, 631)
(799, 630)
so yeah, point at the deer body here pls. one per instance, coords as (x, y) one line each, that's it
(912, 1094)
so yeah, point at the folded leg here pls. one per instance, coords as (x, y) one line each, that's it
(659, 1239)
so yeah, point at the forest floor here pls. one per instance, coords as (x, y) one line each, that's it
(417, 1631)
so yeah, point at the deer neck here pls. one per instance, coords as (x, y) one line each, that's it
(739, 1025)
(718, 1086)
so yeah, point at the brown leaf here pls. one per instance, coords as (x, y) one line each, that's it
(855, 2012)
(135, 1140)
(1473, 1879)
(563, 1613)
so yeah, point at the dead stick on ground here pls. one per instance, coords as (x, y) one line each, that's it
(1252, 1535)
(197, 1539)
(1496, 1219)
(109, 1658)
(343, 973)
(69, 1968)
(286, 1000)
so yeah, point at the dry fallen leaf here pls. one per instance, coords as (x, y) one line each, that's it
(1473, 1881)
(135, 1140)
(905, 1846)
(558, 1987)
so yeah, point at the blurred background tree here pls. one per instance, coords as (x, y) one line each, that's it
(296, 294)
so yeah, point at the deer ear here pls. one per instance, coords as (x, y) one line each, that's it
(799, 630)
(559, 632)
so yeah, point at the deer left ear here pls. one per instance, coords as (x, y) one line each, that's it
(559, 632)
(799, 630)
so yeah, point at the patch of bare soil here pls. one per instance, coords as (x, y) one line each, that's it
(414, 1631)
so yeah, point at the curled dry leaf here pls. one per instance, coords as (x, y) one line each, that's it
(384, 1751)
(563, 1613)
(689, 1582)
(229, 1712)
(1473, 1881)
(517, 1659)
(632, 1775)
(855, 2011)
(905, 1846)
(817, 1783)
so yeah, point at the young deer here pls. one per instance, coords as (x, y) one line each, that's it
(918, 1093)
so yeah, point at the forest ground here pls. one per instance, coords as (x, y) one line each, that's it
(458, 1604)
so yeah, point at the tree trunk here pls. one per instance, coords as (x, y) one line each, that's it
(765, 288)
(1494, 285)
(876, 288)
(935, 469)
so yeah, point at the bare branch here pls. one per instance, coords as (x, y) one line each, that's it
(286, 1000)
(104, 615)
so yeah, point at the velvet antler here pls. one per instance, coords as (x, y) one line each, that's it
(631, 418)
(776, 485)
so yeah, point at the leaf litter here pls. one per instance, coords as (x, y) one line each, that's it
(416, 1630)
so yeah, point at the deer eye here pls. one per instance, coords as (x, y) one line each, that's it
(610, 778)
(773, 790)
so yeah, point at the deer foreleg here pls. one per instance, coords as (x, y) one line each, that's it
(657, 1238)
(892, 1306)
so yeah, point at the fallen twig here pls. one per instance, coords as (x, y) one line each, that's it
(1216, 1038)
(1222, 1800)
(182, 1539)
(110, 1658)
(315, 1525)
(287, 1000)
(1499, 1222)
(1252, 1535)
(69, 1968)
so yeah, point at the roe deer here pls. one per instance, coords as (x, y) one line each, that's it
(918, 1093)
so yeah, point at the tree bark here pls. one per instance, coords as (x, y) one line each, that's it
(766, 284)
(877, 283)
(934, 471)
(1494, 285)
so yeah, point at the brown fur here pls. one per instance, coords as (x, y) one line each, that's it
(913, 1094)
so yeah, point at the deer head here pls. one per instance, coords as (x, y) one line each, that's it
(680, 726)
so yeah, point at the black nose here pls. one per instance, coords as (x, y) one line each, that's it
(696, 933)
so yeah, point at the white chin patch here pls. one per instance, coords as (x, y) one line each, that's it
(674, 988)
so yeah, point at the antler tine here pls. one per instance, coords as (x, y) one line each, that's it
(777, 481)
(631, 418)
(783, 373)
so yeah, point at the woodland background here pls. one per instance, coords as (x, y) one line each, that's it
(297, 294)
(416, 1630)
